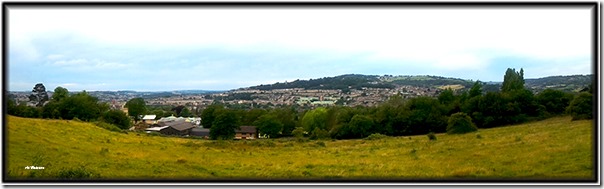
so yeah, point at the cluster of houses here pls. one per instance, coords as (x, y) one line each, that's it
(190, 126)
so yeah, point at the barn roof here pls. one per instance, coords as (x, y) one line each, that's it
(246, 129)
(181, 126)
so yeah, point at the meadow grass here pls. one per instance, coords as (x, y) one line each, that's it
(550, 149)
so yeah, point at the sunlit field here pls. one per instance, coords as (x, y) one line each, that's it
(555, 148)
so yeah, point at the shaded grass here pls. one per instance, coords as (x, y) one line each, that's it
(553, 148)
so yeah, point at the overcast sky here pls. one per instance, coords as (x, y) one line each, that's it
(158, 49)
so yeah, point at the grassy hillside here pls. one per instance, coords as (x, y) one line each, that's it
(553, 148)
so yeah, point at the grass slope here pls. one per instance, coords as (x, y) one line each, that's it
(553, 148)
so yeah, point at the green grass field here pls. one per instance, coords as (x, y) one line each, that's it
(555, 148)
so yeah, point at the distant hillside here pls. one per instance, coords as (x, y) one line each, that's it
(571, 83)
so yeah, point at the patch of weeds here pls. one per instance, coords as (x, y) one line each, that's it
(191, 144)
(263, 143)
(478, 136)
(320, 144)
(376, 136)
(431, 136)
(306, 173)
(181, 161)
(104, 151)
(107, 126)
(77, 173)
(518, 138)
(309, 166)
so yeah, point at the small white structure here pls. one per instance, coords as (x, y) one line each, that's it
(155, 129)
(149, 119)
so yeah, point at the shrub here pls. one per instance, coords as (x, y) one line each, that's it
(298, 132)
(376, 136)
(581, 107)
(460, 123)
(107, 126)
(431, 136)
(118, 118)
(319, 134)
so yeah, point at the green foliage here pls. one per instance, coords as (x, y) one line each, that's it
(117, 117)
(208, 115)
(319, 134)
(107, 126)
(554, 101)
(224, 125)
(424, 115)
(268, 125)
(512, 80)
(59, 94)
(460, 123)
(581, 107)
(314, 119)
(81, 106)
(185, 112)
(298, 132)
(136, 108)
(476, 89)
(446, 96)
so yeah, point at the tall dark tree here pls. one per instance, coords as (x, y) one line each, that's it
(178, 109)
(512, 80)
(136, 108)
(38, 95)
(224, 125)
(476, 89)
(208, 115)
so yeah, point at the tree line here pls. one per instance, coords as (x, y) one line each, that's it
(512, 104)
(475, 107)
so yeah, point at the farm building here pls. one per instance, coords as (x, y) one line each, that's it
(246, 132)
(177, 128)
(200, 132)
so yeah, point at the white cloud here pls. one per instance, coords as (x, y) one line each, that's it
(395, 33)
(85, 64)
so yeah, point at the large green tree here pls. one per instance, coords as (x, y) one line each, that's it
(208, 115)
(136, 108)
(316, 118)
(82, 106)
(269, 125)
(224, 125)
(512, 80)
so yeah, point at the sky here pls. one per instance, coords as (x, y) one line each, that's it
(223, 48)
